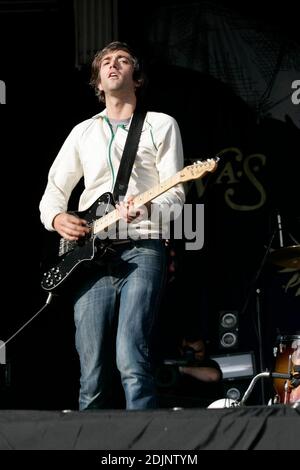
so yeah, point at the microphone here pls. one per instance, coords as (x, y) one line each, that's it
(280, 230)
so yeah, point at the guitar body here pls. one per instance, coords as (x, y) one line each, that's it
(73, 253)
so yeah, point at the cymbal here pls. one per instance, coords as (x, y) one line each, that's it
(287, 257)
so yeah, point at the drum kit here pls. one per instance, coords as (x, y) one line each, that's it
(286, 257)
(286, 378)
(287, 349)
(287, 354)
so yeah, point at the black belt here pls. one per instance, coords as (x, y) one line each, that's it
(120, 242)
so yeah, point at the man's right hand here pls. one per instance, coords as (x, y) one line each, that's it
(69, 226)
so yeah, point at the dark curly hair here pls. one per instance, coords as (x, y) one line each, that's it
(138, 74)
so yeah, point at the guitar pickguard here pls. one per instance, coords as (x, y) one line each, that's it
(73, 253)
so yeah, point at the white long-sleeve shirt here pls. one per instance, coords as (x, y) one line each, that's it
(93, 151)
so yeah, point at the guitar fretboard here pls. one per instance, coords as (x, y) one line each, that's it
(140, 200)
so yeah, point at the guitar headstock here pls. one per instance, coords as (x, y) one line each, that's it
(198, 169)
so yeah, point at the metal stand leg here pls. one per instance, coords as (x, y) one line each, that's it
(260, 344)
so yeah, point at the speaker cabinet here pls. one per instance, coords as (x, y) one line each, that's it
(228, 329)
(238, 369)
(235, 389)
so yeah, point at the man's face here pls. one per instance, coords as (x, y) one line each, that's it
(116, 73)
(198, 346)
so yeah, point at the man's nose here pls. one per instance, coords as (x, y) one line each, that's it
(113, 63)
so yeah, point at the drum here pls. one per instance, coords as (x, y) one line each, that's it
(287, 354)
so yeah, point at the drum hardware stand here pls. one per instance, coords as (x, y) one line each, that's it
(228, 403)
(274, 375)
(253, 287)
(286, 383)
(236, 404)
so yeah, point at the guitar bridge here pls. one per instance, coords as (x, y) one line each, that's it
(65, 246)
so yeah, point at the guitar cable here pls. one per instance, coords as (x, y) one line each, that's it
(48, 300)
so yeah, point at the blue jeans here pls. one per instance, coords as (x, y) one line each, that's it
(115, 312)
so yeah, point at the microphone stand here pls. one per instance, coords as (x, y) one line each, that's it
(280, 230)
(253, 287)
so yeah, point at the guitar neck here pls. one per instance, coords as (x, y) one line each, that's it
(152, 193)
(140, 200)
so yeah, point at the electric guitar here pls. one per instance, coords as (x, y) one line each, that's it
(100, 217)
